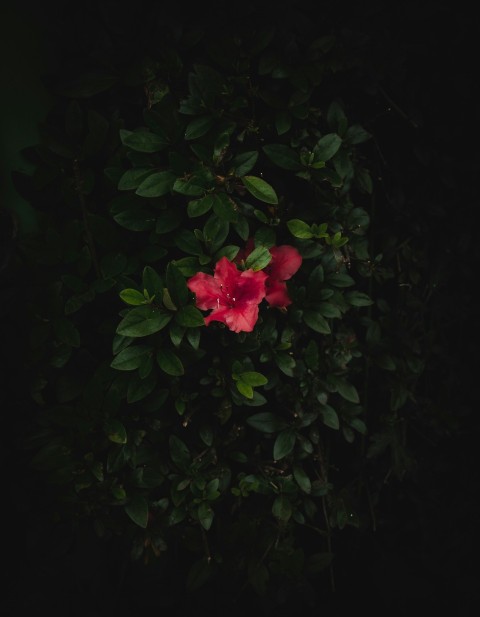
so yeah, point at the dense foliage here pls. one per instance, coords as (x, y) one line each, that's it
(193, 169)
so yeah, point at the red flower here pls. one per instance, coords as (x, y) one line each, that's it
(232, 295)
(286, 260)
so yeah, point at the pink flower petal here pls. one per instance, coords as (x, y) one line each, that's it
(277, 294)
(206, 290)
(286, 260)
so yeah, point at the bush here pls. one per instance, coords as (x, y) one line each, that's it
(228, 340)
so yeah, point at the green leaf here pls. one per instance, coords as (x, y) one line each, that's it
(133, 218)
(359, 425)
(205, 515)
(151, 281)
(266, 422)
(316, 321)
(252, 378)
(176, 285)
(156, 185)
(329, 310)
(330, 417)
(336, 118)
(170, 363)
(364, 180)
(358, 298)
(244, 389)
(137, 510)
(139, 388)
(133, 297)
(283, 157)
(198, 127)
(258, 258)
(285, 362)
(327, 147)
(224, 207)
(340, 279)
(284, 444)
(260, 189)
(130, 358)
(299, 229)
(215, 232)
(302, 479)
(188, 242)
(142, 321)
(198, 207)
(230, 252)
(115, 431)
(168, 220)
(282, 508)
(189, 317)
(356, 134)
(179, 451)
(142, 141)
(347, 390)
(132, 178)
(243, 163)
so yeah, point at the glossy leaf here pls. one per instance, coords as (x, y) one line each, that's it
(143, 321)
(260, 189)
(137, 510)
(170, 363)
(130, 358)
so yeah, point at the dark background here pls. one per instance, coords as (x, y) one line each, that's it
(425, 553)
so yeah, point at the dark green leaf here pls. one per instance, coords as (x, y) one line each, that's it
(179, 451)
(132, 178)
(243, 163)
(176, 285)
(156, 185)
(282, 508)
(302, 479)
(266, 422)
(139, 388)
(327, 147)
(115, 431)
(189, 317)
(347, 390)
(130, 358)
(137, 510)
(284, 444)
(224, 207)
(285, 362)
(198, 207)
(205, 515)
(260, 189)
(330, 417)
(198, 127)
(142, 141)
(142, 321)
(358, 298)
(169, 362)
(283, 157)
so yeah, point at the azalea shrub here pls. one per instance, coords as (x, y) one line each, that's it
(217, 361)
